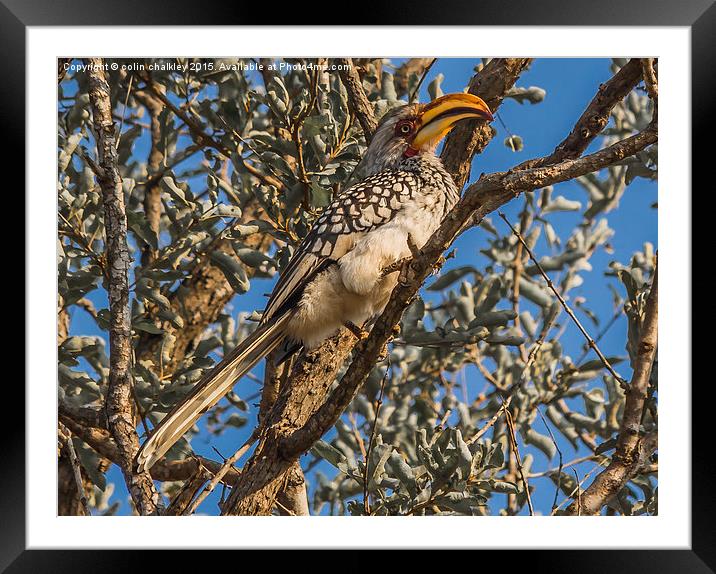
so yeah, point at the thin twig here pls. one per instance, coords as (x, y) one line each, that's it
(489, 424)
(566, 307)
(357, 436)
(559, 452)
(576, 490)
(517, 271)
(75, 464)
(124, 110)
(483, 370)
(594, 457)
(420, 82)
(579, 496)
(228, 465)
(518, 459)
(379, 403)
(618, 313)
(286, 510)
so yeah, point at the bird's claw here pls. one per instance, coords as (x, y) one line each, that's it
(441, 261)
(438, 265)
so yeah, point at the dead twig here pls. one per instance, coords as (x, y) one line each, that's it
(424, 75)
(66, 437)
(559, 452)
(648, 66)
(378, 404)
(218, 475)
(566, 307)
(518, 459)
(489, 424)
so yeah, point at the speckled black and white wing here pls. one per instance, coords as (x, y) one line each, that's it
(356, 211)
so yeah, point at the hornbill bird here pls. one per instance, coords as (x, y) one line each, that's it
(335, 276)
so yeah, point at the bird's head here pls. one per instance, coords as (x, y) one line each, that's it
(413, 129)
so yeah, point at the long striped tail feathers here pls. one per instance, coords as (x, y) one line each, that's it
(209, 390)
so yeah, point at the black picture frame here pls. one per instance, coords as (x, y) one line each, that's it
(699, 15)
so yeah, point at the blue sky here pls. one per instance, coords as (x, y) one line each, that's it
(570, 84)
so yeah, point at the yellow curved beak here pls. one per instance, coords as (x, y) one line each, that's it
(438, 117)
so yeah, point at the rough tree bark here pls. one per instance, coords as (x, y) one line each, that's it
(119, 399)
(263, 476)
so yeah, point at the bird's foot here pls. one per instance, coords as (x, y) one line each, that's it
(414, 249)
(359, 333)
(396, 266)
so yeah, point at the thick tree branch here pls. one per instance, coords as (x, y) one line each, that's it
(292, 498)
(84, 415)
(357, 100)
(595, 117)
(119, 401)
(264, 475)
(471, 137)
(633, 448)
(187, 492)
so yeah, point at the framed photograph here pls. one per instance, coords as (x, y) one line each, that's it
(392, 285)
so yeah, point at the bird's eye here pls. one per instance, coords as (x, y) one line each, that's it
(405, 128)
